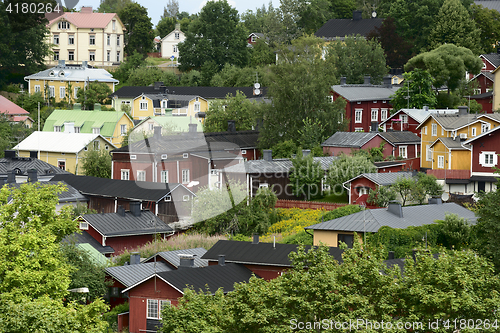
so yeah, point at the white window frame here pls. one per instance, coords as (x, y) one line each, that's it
(440, 162)
(125, 174)
(143, 105)
(141, 175)
(108, 39)
(96, 130)
(108, 56)
(123, 129)
(61, 161)
(92, 39)
(56, 39)
(383, 114)
(168, 198)
(114, 25)
(374, 113)
(117, 40)
(404, 118)
(91, 55)
(177, 35)
(71, 55)
(77, 129)
(76, 92)
(174, 48)
(185, 176)
(185, 197)
(62, 92)
(133, 157)
(152, 309)
(358, 129)
(424, 130)
(473, 131)
(485, 127)
(151, 126)
(434, 129)
(428, 153)
(118, 56)
(37, 88)
(52, 91)
(84, 225)
(358, 116)
(71, 39)
(488, 159)
(403, 151)
(243, 152)
(56, 55)
(57, 128)
(196, 107)
(185, 155)
(164, 176)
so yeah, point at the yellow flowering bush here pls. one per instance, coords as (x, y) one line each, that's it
(293, 220)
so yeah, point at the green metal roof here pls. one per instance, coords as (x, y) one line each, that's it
(86, 120)
(97, 256)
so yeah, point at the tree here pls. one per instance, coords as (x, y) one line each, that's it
(381, 196)
(447, 65)
(305, 176)
(404, 187)
(145, 76)
(113, 6)
(95, 92)
(262, 54)
(488, 22)
(299, 86)
(453, 25)
(313, 14)
(284, 149)
(165, 26)
(139, 36)
(342, 9)
(237, 108)
(487, 227)
(416, 92)
(172, 9)
(355, 57)
(347, 167)
(215, 36)
(97, 163)
(254, 21)
(456, 231)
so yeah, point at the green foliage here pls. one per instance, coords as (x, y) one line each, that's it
(339, 212)
(262, 54)
(354, 57)
(456, 232)
(113, 6)
(191, 78)
(82, 208)
(447, 64)
(488, 22)
(487, 227)
(381, 196)
(305, 176)
(404, 187)
(310, 134)
(165, 26)
(284, 149)
(217, 35)
(418, 87)
(97, 163)
(234, 76)
(453, 25)
(11, 134)
(139, 35)
(112, 316)
(345, 168)
(95, 92)
(133, 61)
(145, 76)
(301, 237)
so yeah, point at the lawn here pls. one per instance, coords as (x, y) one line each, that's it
(156, 61)
(333, 197)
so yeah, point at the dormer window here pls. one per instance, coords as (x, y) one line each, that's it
(61, 74)
(177, 35)
(51, 73)
(63, 25)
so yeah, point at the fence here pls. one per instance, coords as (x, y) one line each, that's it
(307, 204)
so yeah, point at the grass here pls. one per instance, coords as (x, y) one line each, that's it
(333, 198)
(156, 61)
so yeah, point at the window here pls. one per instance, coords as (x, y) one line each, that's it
(243, 152)
(185, 176)
(374, 114)
(63, 25)
(488, 159)
(125, 102)
(71, 55)
(91, 29)
(402, 151)
(151, 126)
(196, 107)
(185, 155)
(76, 92)
(347, 239)
(108, 40)
(125, 174)
(56, 55)
(62, 92)
(97, 145)
(441, 162)
(442, 131)
(37, 88)
(118, 56)
(477, 91)
(359, 129)
(473, 131)
(263, 185)
(383, 114)
(424, 130)
(96, 130)
(52, 91)
(253, 39)
(61, 164)
(358, 116)
(168, 198)
(57, 128)
(133, 157)
(428, 153)
(164, 176)
(163, 156)
(92, 55)
(71, 39)
(164, 104)
(434, 130)
(177, 35)
(123, 129)
(108, 57)
(185, 198)
(174, 48)
(114, 25)
(144, 105)
(56, 39)
(153, 309)
(84, 226)
(117, 40)
(485, 127)
(404, 119)
(77, 129)
(141, 175)
(91, 39)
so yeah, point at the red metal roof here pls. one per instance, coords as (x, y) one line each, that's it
(86, 19)
(11, 108)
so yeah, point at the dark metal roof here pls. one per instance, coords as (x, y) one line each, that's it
(69, 195)
(452, 144)
(385, 178)
(172, 257)
(372, 219)
(84, 237)
(349, 139)
(388, 164)
(134, 91)
(340, 28)
(400, 137)
(215, 92)
(487, 94)
(365, 92)
(126, 189)
(457, 181)
(282, 165)
(259, 254)
(129, 275)
(23, 164)
(113, 224)
(489, 179)
(493, 58)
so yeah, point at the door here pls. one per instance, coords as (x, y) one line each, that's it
(481, 186)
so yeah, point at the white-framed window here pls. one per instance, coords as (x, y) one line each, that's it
(118, 56)
(485, 127)
(37, 88)
(141, 175)
(424, 130)
(123, 129)
(91, 55)
(96, 130)
(185, 176)
(358, 114)
(403, 151)
(163, 156)
(57, 128)
(52, 91)
(117, 40)
(185, 155)
(77, 129)
(153, 309)
(384, 102)
(133, 157)
(196, 107)
(125, 174)
(164, 104)
(404, 118)
(176, 35)
(243, 152)
(434, 130)
(91, 39)
(374, 114)
(168, 198)
(71, 39)
(359, 129)
(440, 162)
(185, 198)
(84, 225)
(151, 126)
(174, 49)
(76, 92)
(125, 102)
(477, 91)
(63, 25)
(143, 105)
(56, 39)
(97, 145)
(114, 25)
(442, 131)
(108, 56)
(56, 55)
(488, 159)
(383, 114)
(71, 55)
(263, 185)
(62, 92)
(61, 164)
(164, 176)
(473, 131)
(428, 153)
(108, 39)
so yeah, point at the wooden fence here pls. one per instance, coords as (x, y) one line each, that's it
(307, 204)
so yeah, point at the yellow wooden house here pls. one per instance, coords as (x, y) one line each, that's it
(150, 105)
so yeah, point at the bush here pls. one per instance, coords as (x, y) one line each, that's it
(112, 316)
